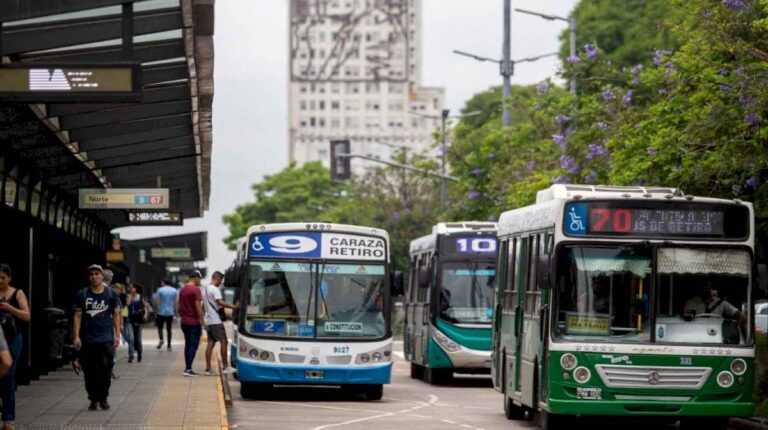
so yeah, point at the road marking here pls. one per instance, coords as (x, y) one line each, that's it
(399, 354)
(307, 405)
(432, 400)
(448, 405)
(449, 421)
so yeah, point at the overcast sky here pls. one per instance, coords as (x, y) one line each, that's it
(250, 111)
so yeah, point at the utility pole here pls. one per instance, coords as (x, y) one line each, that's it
(507, 68)
(443, 150)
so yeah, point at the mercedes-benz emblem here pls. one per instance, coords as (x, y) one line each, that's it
(653, 378)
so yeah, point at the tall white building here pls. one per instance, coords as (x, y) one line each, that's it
(355, 73)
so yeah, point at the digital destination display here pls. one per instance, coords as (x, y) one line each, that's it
(653, 219)
(470, 245)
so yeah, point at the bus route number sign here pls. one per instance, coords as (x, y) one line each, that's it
(474, 245)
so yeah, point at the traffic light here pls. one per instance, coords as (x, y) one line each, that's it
(340, 166)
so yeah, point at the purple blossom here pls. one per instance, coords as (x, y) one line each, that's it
(491, 155)
(531, 165)
(569, 163)
(473, 195)
(396, 215)
(627, 99)
(595, 150)
(608, 95)
(751, 119)
(750, 164)
(725, 87)
(591, 50)
(407, 210)
(651, 151)
(657, 57)
(707, 12)
(662, 91)
(542, 87)
(637, 69)
(476, 171)
(736, 189)
(562, 119)
(736, 5)
(602, 125)
(591, 177)
(573, 59)
(724, 72)
(559, 139)
(442, 150)
(562, 179)
(519, 176)
(635, 81)
(752, 182)
(538, 107)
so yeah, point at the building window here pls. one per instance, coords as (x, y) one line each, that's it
(396, 106)
(335, 105)
(371, 105)
(352, 105)
(372, 88)
(302, 105)
(335, 123)
(352, 88)
(352, 122)
(395, 88)
(335, 88)
(321, 104)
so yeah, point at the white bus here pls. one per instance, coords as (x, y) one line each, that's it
(316, 307)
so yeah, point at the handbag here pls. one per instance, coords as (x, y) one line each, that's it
(219, 309)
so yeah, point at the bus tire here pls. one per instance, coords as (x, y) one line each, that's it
(511, 410)
(437, 376)
(550, 421)
(700, 423)
(417, 372)
(373, 392)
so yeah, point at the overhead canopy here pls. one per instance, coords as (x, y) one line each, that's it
(166, 138)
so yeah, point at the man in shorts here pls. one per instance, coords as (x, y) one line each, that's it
(214, 313)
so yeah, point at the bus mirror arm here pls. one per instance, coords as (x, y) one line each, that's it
(397, 283)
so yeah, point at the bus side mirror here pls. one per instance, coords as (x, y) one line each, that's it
(398, 286)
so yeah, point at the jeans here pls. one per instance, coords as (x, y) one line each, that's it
(128, 335)
(192, 334)
(136, 328)
(8, 382)
(96, 361)
(168, 321)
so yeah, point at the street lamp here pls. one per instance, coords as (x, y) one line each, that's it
(444, 115)
(507, 72)
(571, 20)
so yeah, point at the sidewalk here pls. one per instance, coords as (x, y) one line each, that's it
(152, 394)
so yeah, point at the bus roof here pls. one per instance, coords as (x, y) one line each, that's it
(428, 241)
(317, 227)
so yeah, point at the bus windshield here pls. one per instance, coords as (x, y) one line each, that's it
(284, 300)
(701, 294)
(466, 293)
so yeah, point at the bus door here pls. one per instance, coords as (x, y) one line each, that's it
(498, 306)
(410, 300)
(420, 311)
(522, 257)
(509, 331)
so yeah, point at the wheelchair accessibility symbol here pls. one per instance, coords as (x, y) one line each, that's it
(575, 218)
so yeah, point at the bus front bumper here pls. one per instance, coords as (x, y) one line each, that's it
(651, 408)
(322, 375)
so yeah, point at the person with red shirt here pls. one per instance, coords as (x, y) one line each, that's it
(191, 314)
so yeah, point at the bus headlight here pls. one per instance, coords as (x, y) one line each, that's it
(255, 353)
(725, 379)
(738, 366)
(568, 361)
(381, 355)
(444, 341)
(581, 375)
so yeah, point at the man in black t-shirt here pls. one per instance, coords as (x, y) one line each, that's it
(97, 334)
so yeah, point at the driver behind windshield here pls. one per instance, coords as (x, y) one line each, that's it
(707, 302)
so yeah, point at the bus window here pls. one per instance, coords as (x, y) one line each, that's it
(424, 280)
(279, 300)
(351, 302)
(603, 293)
(466, 292)
(533, 258)
(510, 286)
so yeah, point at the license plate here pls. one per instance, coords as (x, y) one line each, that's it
(589, 393)
(314, 374)
(488, 364)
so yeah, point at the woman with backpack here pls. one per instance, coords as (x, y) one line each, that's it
(137, 316)
(14, 308)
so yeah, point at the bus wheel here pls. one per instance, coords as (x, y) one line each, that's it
(438, 376)
(512, 411)
(550, 421)
(373, 392)
(709, 423)
(254, 390)
(417, 372)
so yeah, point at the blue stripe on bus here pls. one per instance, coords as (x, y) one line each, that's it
(252, 372)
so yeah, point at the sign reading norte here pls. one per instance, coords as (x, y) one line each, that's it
(317, 245)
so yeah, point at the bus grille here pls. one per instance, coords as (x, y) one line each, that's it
(291, 358)
(621, 376)
(339, 359)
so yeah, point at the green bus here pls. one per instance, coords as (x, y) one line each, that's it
(625, 301)
(449, 301)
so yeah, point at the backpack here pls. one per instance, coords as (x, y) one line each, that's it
(136, 311)
(8, 322)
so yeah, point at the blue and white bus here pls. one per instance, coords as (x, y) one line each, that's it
(316, 307)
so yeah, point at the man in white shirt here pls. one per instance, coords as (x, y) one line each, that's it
(707, 302)
(214, 311)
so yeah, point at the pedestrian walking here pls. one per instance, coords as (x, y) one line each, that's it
(167, 307)
(14, 309)
(137, 316)
(191, 313)
(96, 335)
(214, 318)
(125, 329)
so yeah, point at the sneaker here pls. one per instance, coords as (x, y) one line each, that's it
(139, 358)
(169, 347)
(160, 345)
(209, 372)
(93, 407)
(229, 370)
(190, 372)
(104, 405)
(130, 359)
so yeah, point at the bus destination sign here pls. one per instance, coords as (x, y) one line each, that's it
(654, 220)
